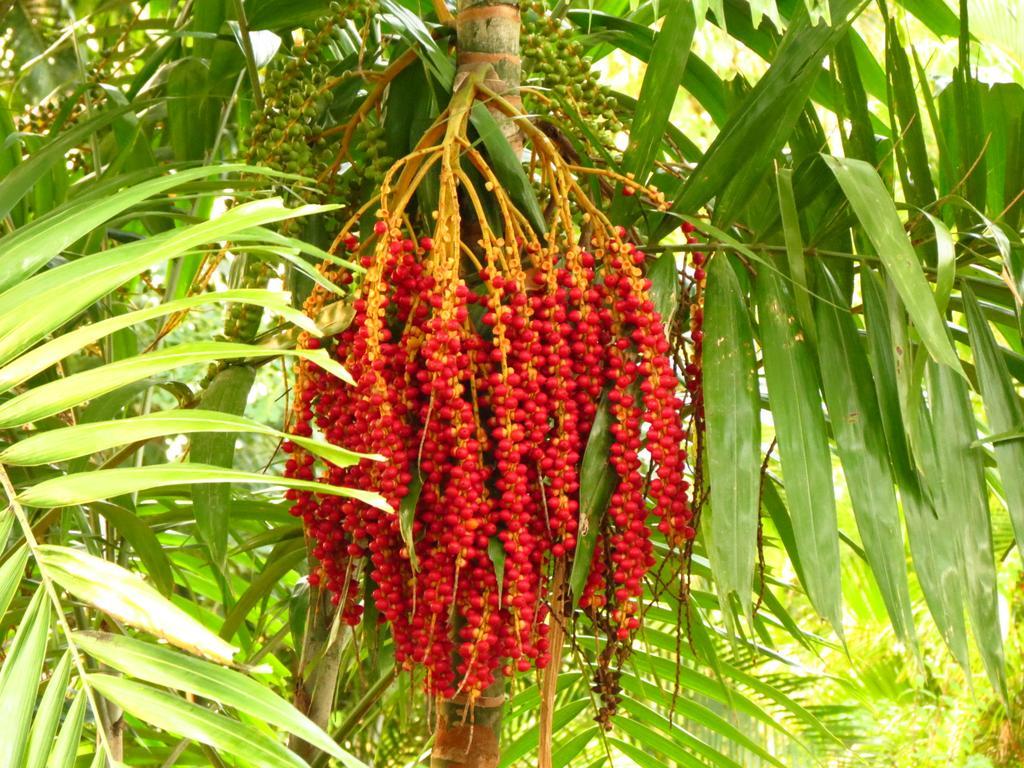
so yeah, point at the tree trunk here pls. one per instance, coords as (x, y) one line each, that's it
(488, 37)
(469, 738)
(317, 676)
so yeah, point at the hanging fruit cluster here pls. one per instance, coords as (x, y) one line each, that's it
(481, 352)
(287, 137)
(555, 61)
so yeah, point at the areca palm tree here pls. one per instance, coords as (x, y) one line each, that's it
(837, 261)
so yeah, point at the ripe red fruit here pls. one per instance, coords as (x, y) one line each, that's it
(482, 394)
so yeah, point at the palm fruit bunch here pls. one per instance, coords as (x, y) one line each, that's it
(287, 136)
(554, 60)
(486, 351)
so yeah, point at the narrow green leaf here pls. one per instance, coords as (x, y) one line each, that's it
(143, 541)
(597, 480)
(507, 167)
(642, 758)
(162, 666)
(911, 151)
(877, 214)
(860, 437)
(792, 378)
(527, 742)
(95, 275)
(84, 439)
(407, 516)
(48, 713)
(45, 355)
(698, 713)
(6, 524)
(10, 576)
(732, 408)
(665, 69)
(962, 490)
(638, 726)
(19, 181)
(228, 393)
(194, 722)
(931, 546)
(496, 553)
(65, 749)
(102, 484)
(62, 394)
(29, 248)
(126, 597)
(1002, 407)
(19, 680)
(795, 250)
(945, 262)
(285, 557)
(760, 126)
(566, 753)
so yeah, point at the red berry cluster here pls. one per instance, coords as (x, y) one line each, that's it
(479, 380)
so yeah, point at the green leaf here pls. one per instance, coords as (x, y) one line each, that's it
(407, 516)
(638, 726)
(128, 598)
(961, 483)
(877, 214)
(48, 713)
(19, 181)
(507, 167)
(45, 355)
(10, 575)
(860, 436)
(496, 553)
(527, 742)
(84, 439)
(961, 489)
(665, 69)
(285, 557)
(597, 480)
(29, 248)
(194, 722)
(143, 541)
(65, 749)
(164, 667)
(945, 262)
(696, 712)
(795, 251)
(640, 757)
(102, 484)
(760, 126)
(1002, 407)
(62, 394)
(732, 409)
(792, 378)
(227, 393)
(19, 680)
(911, 151)
(22, 325)
(931, 546)
(565, 753)
(189, 111)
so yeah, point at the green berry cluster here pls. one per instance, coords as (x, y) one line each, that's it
(290, 134)
(295, 95)
(555, 59)
(369, 161)
(286, 136)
